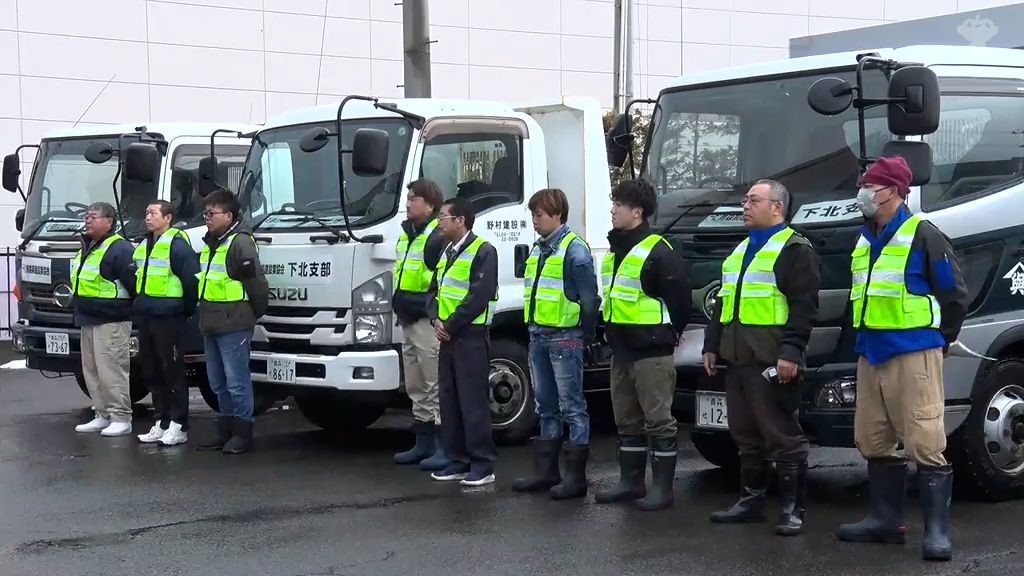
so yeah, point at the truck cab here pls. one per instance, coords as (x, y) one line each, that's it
(62, 184)
(327, 237)
(715, 133)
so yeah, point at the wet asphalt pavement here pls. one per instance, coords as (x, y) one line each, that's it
(303, 504)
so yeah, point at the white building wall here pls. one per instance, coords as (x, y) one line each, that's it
(108, 61)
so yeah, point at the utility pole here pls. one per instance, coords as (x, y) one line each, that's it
(416, 38)
(623, 73)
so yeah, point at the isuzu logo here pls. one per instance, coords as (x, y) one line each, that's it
(282, 293)
(710, 299)
(62, 295)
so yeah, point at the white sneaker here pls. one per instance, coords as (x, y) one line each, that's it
(489, 479)
(117, 429)
(174, 435)
(154, 434)
(95, 425)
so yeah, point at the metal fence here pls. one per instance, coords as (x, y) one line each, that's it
(8, 307)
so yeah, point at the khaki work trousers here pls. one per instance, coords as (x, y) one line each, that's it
(419, 360)
(642, 394)
(902, 400)
(105, 365)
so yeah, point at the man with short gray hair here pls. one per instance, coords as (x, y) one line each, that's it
(103, 285)
(760, 328)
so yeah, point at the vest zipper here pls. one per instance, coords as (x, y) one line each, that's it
(536, 280)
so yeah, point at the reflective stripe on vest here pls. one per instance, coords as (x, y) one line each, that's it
(889, 305)
(153, 274)
(411, 273)
(624, 299)
(761, 303)
(453, 285)
(544, 294)
(214, 283)
(86, 280)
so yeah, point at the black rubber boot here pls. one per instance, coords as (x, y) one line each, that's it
(663, 473)
(574, 482)
(241, 439)
(632, 472)
(792, 495)
(221, 436)
(424, 446)
(750, 507)
(439, 460)
(936, 484)
(887, 481)
(545, 467)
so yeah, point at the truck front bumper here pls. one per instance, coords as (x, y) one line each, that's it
(350, 370)
(31, 341)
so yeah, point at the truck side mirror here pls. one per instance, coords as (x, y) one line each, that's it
(11, 171)
(522, 252)
(618, 140)
(917, 112)
(918, 156)
(207, 176)
(370, 152)
(141, 162)
(830, 96)
(19, 219)
(314, 139)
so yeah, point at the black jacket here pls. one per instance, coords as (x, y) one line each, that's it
(798, 274)
(243, 263)
(184, 265)
(409, 306)
(483, 287)
(117, 264)
(663, 276)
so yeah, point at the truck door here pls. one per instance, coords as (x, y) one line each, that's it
(484, 160)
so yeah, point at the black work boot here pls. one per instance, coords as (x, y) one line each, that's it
(241, 439)
(936, 484)
(545, 466)
(750, 507)
(792, 495)
(663, 473)
(574, 482)
(424, 446)
(887, 483)
(222, 434)
(632, 472)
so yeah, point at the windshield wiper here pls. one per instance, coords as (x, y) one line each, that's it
(304, 217)
(691, 207)
(43, 222)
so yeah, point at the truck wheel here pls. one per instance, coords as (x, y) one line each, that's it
(336, 414)
(987, 451)
(136, 387)
(513, 414)
(717, 448)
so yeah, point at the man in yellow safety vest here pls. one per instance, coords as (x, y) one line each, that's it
(909, 301)
(464, 295)
(166, 283)
(646, 305)
(762, 320)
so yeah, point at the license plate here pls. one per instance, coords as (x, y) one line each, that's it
(279, 370)
(711, 411)
(58, 344)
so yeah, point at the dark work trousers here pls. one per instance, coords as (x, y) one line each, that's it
(163, 367)
(763, 417)
(462, 377)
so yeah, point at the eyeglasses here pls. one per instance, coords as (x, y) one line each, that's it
(212, 213)
(755, 200)
(447, 217)
(97, 217)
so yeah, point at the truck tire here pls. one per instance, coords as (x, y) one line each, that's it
(137, 390)
(513, 413)
(987, 451)
(717, 448)
(336, 414)
(261, 400)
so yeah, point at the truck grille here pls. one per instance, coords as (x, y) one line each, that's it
(40, 301)
(292, 330)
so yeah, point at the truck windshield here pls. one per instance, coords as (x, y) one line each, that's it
(279, 176)
(64, 184)
(709, 144)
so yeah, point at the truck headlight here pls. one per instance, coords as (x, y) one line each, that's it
(371, 310)
(133, 346)
(17, 342)
(837, 394)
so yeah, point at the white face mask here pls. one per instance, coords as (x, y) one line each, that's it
(866, 202)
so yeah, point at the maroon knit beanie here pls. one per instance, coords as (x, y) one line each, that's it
(889, 171)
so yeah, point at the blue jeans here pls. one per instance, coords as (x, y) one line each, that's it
(556, 368)
(227, 368)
